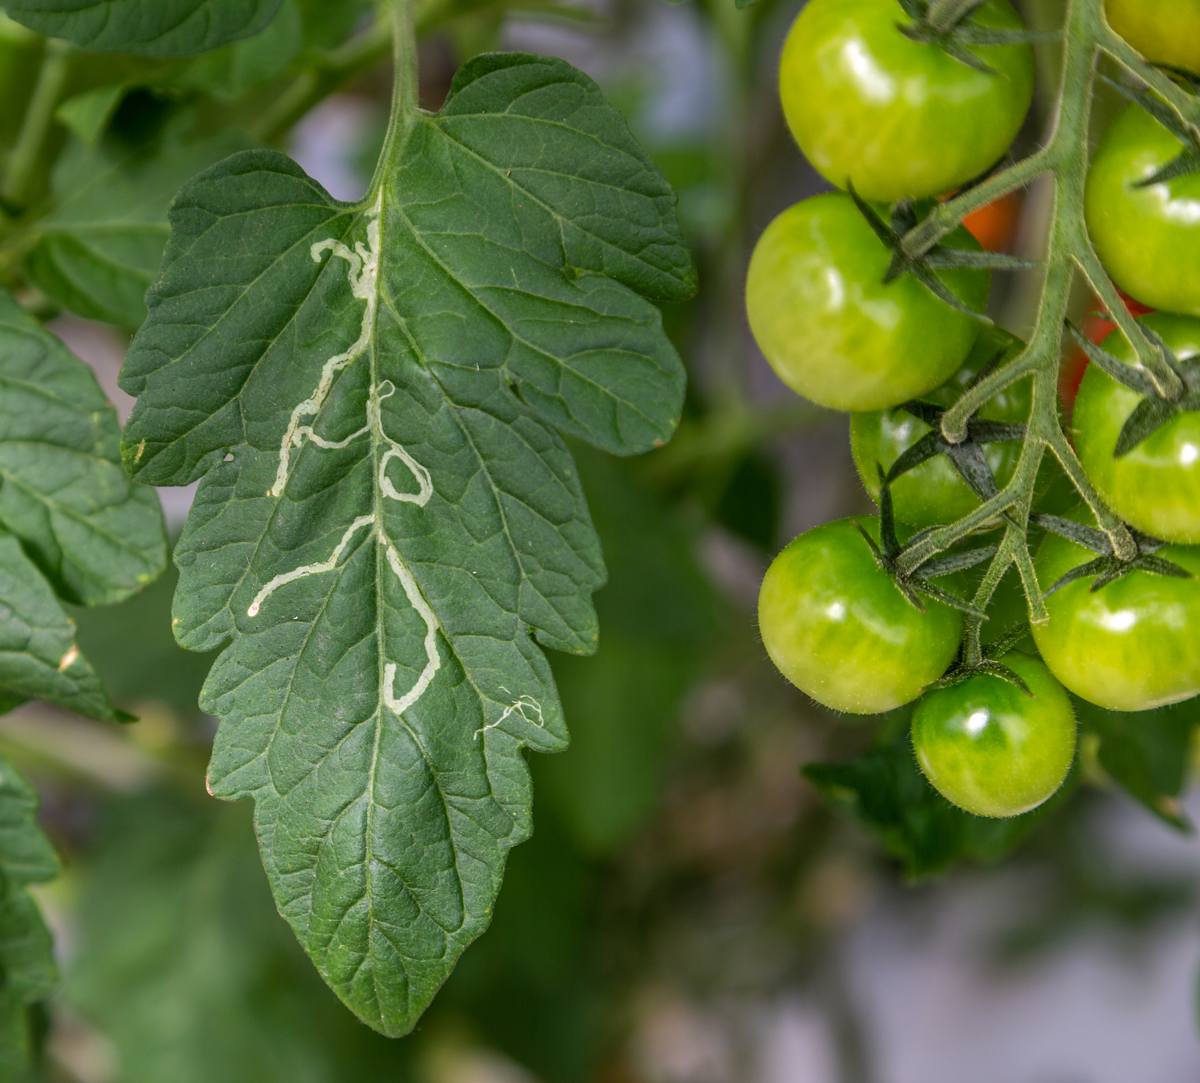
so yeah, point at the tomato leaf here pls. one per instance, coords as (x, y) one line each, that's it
(886, 791)
(1147, 755)
(374, 396)
(99, 248)
(146, 27)
(27, 970)
(72, 525)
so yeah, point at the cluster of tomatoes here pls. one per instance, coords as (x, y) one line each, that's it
(894, 118)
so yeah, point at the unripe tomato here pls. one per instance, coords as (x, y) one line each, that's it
(1155, 486)
(1163, 31)
(935, 491)
(831, 328)
(1148, 238)
(1130, 646)
(837, 626)
(990, 747)
(894, 117)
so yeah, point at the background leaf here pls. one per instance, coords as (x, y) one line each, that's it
(885, 790)
(100, 246)
(27, 970)
(147, 27)
(72, 525)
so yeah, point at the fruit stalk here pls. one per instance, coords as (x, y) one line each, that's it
(1064, 157)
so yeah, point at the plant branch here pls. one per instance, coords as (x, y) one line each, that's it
(37, 125)
(1065, 156)
(946, 217)
(1166, 380)
(1185, 104)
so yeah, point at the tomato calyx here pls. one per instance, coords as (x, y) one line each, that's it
(1155, 410)
(1187, 161)
(924, 268)
(967, 456)
(913, 586)
(1107, 567)
(956, 38)
(988, 662)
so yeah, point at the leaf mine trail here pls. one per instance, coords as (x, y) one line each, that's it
(362, 270)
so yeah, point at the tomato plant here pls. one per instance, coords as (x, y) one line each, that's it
(872, 99)
(993, 746)
(406, 328)
(389, 528)
(899, 117)
(831, 326)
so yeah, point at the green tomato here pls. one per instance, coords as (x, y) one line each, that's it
(993, 749)
(1130, 646)
(897, 118)
(1163, 31)
(1148, 238)
(1156, 486)
(935, 491)
(831, 328)
(837, 626)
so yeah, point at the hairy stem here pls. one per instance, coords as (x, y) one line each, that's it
(1184, 103)
(1065, 157)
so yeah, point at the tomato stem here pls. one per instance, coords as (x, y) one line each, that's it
(37, 124)
(1179, 99)
(1064, 157)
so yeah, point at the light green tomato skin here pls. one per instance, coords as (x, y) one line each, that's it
(1148, 238)
(991, 749)
(837, 627)
(1131, 646)
(896, 118)
(1163, 31)
(831, 329)
(935, 492)
(1156, 486)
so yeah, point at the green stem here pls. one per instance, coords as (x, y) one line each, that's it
(947, 216)
(1184, 103)
(406, 97)
(318, 82)
(1165, 379)
(1065, 157)
(38, 123)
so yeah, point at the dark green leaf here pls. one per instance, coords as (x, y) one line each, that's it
(147, 27)
(886, 791)
(1147, 755)
(100, 247)
(388, 519)
(27, 970)
(63, 494)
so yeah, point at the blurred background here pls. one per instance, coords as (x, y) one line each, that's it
(726, 885)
